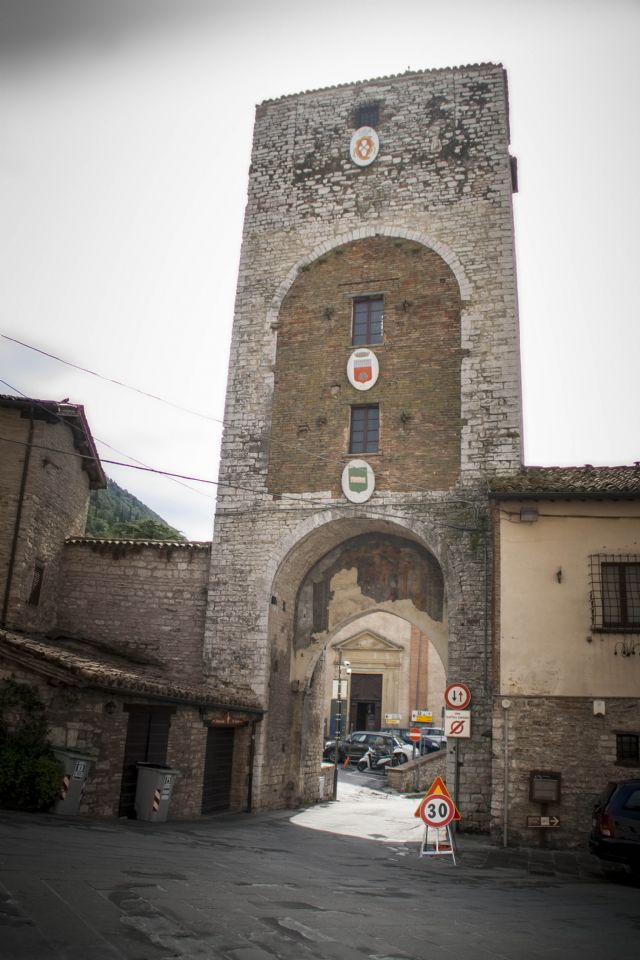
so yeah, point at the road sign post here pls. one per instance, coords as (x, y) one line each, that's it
(437, 811)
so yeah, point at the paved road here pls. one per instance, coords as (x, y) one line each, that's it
(265, 888)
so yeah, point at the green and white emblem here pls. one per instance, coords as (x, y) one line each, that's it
(358, 481)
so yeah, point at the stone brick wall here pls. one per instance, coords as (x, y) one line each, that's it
(441, 185)
(79, 722)
(140, 598)
(561, 735)
(54, 507)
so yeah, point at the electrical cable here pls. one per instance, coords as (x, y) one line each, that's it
(104, 443)
(118, 383)
(297, 447)
(298, 500)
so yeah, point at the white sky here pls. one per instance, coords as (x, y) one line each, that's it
(126, 135)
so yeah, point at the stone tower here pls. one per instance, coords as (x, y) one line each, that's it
(374, 387)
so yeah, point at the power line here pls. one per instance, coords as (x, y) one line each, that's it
(104, 443)
(298, 500)
(118, 383)
(297, 447)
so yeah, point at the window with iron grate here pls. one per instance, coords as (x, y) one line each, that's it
(36, 584)
(615, 593)
(628, 748)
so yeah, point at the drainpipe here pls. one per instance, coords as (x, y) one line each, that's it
(16, 527)
(505, 819)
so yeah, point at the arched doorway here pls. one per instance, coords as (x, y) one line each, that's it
(366, 583)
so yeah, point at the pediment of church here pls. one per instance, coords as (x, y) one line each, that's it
(367, 640)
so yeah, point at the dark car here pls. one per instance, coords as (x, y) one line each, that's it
(355, 745)
(615, 832)
(427, 744)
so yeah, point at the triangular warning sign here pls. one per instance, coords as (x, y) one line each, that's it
(439, 788)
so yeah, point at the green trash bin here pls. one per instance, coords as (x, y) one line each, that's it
(76, 770)
(154, 788)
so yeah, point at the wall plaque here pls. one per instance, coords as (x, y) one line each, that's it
(358, 481)
(363, 369)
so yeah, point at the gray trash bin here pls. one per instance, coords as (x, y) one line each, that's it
(76, 770)
(153, 791)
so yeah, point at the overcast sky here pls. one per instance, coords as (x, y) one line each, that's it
(126, 132)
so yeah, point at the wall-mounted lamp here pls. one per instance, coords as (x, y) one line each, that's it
(599, 708)
(559, 574)
(528, 514)
(110, 707)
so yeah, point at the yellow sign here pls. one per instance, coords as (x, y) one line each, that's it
(421, 716)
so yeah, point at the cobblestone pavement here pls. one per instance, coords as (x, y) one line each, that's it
(267, 887)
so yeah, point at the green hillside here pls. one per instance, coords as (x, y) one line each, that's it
(115, 513)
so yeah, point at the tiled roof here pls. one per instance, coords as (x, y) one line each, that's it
(391, 76)
(174, 544)
(570, 482)
(89, 671)
(72, 415)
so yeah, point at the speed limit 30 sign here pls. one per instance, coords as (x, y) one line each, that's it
(437, 810)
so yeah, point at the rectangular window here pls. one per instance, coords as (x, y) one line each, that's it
(367, 320)
(615, 593)
(365, 429)
(368, 116)
(621, 595)
(36, 585)
(627, 748)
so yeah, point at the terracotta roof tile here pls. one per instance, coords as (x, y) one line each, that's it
(92, 672)
(621, 482)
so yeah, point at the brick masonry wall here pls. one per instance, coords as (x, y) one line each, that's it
(559, 734)
(442, 182)
(146, 599)
(418, 390)
(54, 507)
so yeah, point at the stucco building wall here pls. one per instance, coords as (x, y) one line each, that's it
(565, 689)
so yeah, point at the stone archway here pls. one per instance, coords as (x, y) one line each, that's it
(338, 576)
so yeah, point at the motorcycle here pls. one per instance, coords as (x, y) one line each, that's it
(380, 760)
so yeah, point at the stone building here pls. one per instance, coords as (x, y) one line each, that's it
(373, 391)
(48, 466)
(566, 645)
(110, 633)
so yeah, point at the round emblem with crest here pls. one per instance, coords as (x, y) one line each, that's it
(358, 481)
(364, 146)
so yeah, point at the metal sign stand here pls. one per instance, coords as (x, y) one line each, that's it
(438, 842)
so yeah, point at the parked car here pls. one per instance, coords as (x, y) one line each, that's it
(436, 734)
(354, 745)
(428, 744)
(615, 830)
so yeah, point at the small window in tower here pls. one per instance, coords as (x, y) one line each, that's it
(36, 584)
(367, 320)
(365, 429)
(368, 116)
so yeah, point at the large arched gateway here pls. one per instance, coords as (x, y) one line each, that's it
(373, 390)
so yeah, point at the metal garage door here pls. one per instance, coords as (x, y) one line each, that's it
(216, 788)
